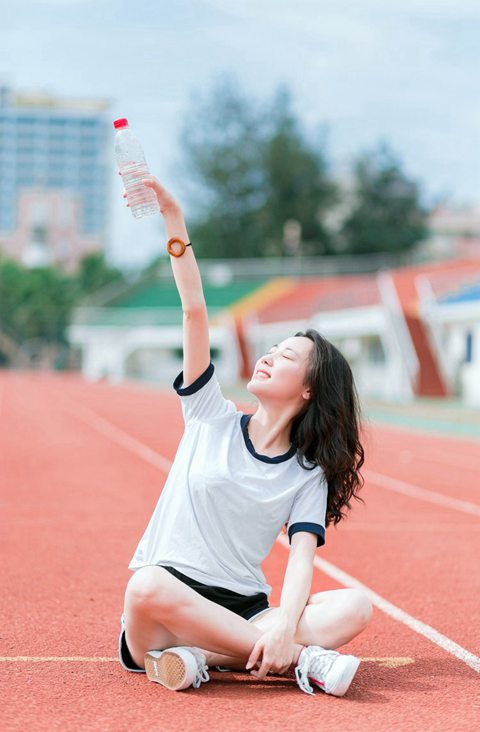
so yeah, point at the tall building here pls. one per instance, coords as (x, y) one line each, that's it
(54, 172)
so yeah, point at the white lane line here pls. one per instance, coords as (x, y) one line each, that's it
(117, 435)
(389, 661)
(123, 439)
(395, 612)
(409, 454)
(414, 491)
(426, 433)
(43, 659)
(146, 453)
(385, 661)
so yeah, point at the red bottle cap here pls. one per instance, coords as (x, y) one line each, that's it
(122, 122)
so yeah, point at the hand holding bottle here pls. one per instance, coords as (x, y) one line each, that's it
(166, 202)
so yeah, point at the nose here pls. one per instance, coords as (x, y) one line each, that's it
(267, 359)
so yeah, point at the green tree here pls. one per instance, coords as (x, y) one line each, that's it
(47, 297)
(94, 272)
(35, 303)
(250, 169)
(222, 142)
(297, 180)
(388, 214)
(11, 283)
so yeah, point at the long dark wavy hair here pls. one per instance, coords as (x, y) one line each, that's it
(327, 430)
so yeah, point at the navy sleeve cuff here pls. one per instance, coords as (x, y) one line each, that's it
(196, 385)
(312, 528)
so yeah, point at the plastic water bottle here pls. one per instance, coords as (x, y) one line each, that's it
(133, 167)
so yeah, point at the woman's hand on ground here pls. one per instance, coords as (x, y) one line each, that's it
(276, 648)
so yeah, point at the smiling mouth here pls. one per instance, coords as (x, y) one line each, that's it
(260, 372)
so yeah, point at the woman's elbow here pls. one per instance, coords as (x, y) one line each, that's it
(194, 307)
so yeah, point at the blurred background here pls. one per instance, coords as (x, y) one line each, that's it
(326, 155)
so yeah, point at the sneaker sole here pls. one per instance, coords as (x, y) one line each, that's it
(166, 668)
(343, 671)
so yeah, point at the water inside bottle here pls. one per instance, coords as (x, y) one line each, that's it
(142, 200)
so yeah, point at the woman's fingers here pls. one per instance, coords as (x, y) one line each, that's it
(165, 199)
(254, 655)
(152, 182)
(264, 668)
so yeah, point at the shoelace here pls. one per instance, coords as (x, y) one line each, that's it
(202, 669)
(316, 662)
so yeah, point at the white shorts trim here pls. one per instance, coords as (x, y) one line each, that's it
(257, 615)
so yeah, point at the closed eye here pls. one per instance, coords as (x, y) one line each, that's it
(270, 353)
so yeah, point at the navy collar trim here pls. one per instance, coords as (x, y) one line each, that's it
(245, 419)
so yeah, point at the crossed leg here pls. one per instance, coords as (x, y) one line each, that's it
(162, 612)
(330, 620)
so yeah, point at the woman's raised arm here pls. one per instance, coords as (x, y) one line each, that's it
(196, 338)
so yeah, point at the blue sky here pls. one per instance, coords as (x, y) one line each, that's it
(406, 72)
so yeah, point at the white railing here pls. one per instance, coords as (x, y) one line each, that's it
(427, 300)
(224, 271)
(130, 317)
(400, 332)
(294, 266)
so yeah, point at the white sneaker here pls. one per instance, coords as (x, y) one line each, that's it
(177, 668)
(329, 670)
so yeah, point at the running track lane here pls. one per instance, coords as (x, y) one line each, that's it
(74, 506)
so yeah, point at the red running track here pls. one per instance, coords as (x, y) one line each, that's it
(76, 497)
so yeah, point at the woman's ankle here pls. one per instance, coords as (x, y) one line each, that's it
(218, 659)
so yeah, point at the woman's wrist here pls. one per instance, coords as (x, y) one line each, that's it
(172, 210)
(175, 224)
(286, 625)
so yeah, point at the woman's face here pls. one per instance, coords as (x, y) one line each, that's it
(280, 373)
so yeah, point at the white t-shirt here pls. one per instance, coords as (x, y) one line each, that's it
(223, 505)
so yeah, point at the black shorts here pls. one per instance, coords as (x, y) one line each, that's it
(245, 605)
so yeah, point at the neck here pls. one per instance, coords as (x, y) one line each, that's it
(269, 429)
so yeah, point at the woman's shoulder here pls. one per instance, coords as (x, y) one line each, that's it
(230, 414)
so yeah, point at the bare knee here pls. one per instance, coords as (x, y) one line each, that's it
(360, 606)
(149, 587)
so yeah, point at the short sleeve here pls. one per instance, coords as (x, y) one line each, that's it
(203, 399)
(309, 509)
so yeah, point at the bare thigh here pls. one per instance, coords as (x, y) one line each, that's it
(330, 618)
(141, 631)
(161, 611)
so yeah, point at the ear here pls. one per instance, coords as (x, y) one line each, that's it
(306, 394)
